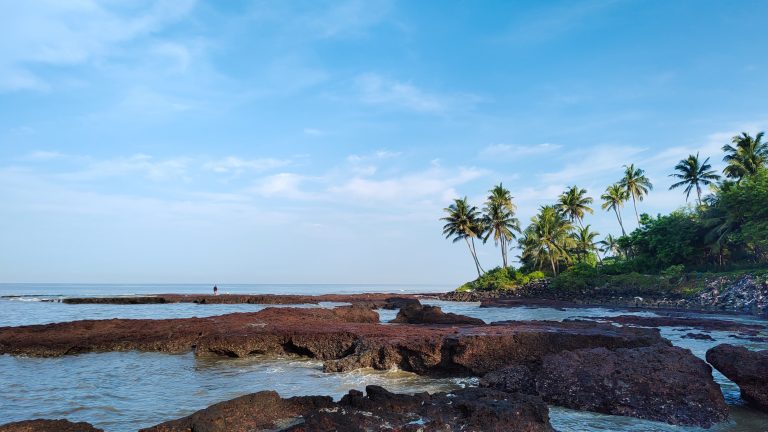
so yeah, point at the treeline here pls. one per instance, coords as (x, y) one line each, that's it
(725, 228)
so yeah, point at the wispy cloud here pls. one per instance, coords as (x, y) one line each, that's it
(236, 165)
(510, 151)
(374, 89)
(70, 33)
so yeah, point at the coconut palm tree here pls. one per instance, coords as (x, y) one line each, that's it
(584, 241)
(609, 245)
(499, 220)
(463, 223)
(636, 184)
(747, 157)
(693, 174)
(548, 237)
(613, 199)
(574, 203)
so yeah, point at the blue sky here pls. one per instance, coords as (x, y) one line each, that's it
(317, 142)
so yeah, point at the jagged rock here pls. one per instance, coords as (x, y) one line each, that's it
(698, 336)
(43, 425)
(512, 379)
(335, 336)
(416, 313)
(470, 409)
(748, 369)
(659, 382)
(264, 410)
(678, 321)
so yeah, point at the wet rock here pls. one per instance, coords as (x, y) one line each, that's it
(416, 313)
(329, 335)
(260, 411)
(478, 350)
(373, 300)
(513, 379)
(660, 382)
(680, 321)
(462, 410)
(748, 369)
(698, 336)
(42, 425)
(356, 313)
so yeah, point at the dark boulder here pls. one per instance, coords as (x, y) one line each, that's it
(748, 369)
(660, 382)
(470, 409)
(264, 410)
(416, 313)
(512, 379)
(43, 425)
(698, 336)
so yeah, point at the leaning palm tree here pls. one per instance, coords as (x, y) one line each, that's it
(636, 184)
(613, 199)
(609, 245)
(747, 157)
(548, 237)
(574, 203)
(693, 174)
(584, 242)
(463, 223)
(499, 220)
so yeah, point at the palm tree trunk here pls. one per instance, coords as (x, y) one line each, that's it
(504, 251)
(698, 193)
(552, 261)
(634, 204)
(618, 217)
(474, 257)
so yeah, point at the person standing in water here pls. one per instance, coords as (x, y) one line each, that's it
(215, 290)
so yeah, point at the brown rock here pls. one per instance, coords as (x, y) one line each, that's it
(253, 412)
(43, 425)
(748, 369)
(659, 382)
(512, 379)
(416, 313)
(677, 321)
(462, 410)
(329, 335)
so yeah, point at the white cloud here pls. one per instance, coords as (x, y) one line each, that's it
(283, 185)
(509, 151)
(43, 155)
(141, 164)
(236, 165)
(374, 89)
(593, 163)
(66, 33)
(432, 184)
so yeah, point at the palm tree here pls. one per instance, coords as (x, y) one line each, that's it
(747, 157)
(548, 237)
(499, 219)
(585, 241)
(613, 199)
(610, 245)
(463, 223)
(636, 184)
(574, 203)
(693, 173)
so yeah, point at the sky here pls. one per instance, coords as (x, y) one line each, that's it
(162, 141)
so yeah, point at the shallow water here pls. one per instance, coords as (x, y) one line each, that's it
(127, 390)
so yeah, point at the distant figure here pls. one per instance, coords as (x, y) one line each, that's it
(215, 290)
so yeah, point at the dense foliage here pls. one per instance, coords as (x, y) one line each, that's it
(727, 229)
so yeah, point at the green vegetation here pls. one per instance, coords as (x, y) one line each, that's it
(726, 231)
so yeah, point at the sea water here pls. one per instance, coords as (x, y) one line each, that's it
(124, 391)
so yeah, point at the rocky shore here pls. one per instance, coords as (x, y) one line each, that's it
(581, 365)
(748, 369)
(747, 294)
